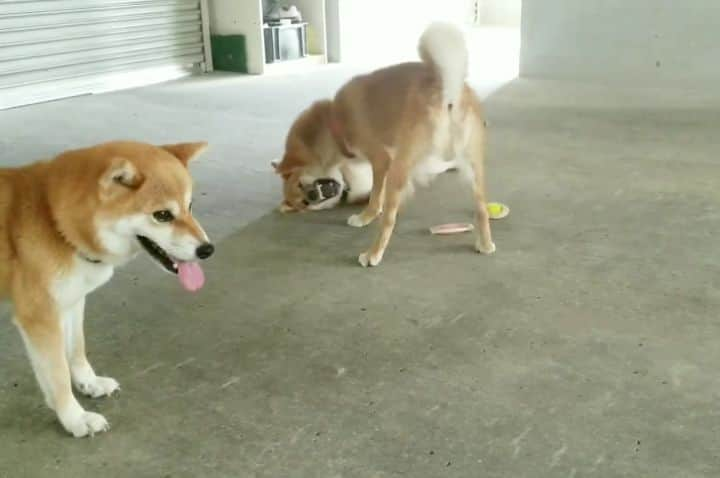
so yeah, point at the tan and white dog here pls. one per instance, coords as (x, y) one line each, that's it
(65, 224)
(410, 121)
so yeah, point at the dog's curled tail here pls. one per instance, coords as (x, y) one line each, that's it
(443, 46)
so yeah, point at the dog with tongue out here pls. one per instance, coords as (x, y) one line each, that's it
(65, 224)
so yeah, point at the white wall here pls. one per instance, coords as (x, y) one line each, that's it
(387, 31)
(332, 24)
(504, 13)
(643, 42)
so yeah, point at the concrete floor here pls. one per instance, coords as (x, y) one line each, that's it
(587, 346)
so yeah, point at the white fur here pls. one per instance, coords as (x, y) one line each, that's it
(69, 292)
(115, 237)
(367, 260)
(83, 278)
(482, 249)
(429, 168)
(95, 386)
(443, 44)
(82, 423)
(354, 174)
(359, 178)
(82, 373)
(355, 220)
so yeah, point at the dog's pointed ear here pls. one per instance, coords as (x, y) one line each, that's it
(185, 152)
(121, 174)
(287, 166)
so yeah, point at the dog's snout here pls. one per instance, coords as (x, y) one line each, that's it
(330, 189)
(205, 250)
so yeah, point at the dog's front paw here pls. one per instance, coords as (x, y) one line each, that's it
(483, 248)
(97, 386)
(367, 259)
(356, 220)
(86, 424)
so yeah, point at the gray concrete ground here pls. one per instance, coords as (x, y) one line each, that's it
(587, 346)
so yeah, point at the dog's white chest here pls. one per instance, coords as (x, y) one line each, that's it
(82, 279)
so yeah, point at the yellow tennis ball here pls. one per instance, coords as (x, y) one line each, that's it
(495, 209)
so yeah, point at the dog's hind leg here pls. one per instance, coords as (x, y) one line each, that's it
(476, 156)
(82, 373)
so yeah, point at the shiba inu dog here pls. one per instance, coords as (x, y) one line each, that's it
(410, 121)
(65, 224)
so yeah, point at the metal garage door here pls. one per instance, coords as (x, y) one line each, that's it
(51, 49)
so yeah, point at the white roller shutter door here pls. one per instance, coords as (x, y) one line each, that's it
(51, 49)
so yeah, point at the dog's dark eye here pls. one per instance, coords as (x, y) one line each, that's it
(190, 206)
(163, 216)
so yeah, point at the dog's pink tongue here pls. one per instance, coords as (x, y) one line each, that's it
(191, 276)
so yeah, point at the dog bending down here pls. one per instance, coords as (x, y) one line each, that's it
(409, 121)
(64, 225)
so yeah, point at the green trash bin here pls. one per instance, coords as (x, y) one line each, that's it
(229, 53)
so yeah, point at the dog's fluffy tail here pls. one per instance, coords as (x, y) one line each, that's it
(443, 46)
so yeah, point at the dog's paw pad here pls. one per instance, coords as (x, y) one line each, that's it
(87, 424)
(356, 220)
(98, 387)
(485, 249)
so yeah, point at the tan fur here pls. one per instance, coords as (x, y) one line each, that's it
(399, 109)
(49, 216)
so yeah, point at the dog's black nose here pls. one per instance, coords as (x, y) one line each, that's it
(312, 195)
(205, 250)
(328, 187)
